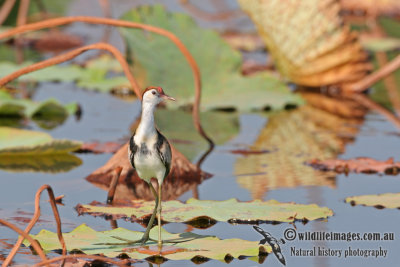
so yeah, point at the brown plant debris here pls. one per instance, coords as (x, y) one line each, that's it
(97, 148)
(184, 176)
(56, 41)
(308, 41)
(340, 106)
(371, 7)
(243, 41)
(358, 165)
(249, 152)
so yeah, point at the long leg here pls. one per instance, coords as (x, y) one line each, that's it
(146, 235)
(150, 224)
(159, 215)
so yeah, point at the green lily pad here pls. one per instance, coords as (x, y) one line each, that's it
(94, 76)
(105, 62)
(26, 142)
(158, 62)
(11, 107)
(48, 163)
(191, 245)
(388, 200)
(177, 126)
(229, 210)
(62, 73)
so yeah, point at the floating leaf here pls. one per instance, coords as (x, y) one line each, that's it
(362, 164)
(105, 62)
(308, 41)
(388, 200)
(90, 77)
(51, 163)
(11, 107)
(228, 210)
(91, 242)
(65, 73)
(158, 61)
(26, 142)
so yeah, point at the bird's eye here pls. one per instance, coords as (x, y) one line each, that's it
(153, 92)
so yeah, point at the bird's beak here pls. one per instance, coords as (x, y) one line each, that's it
(168, 97)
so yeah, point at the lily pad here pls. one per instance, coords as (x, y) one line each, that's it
(26, 142)
(388, 200)
(94, 76)
(62, 73)
(52, 163)
(358, 165)
(229, 210)
(191, 245)
(158, 61)
(11, 107)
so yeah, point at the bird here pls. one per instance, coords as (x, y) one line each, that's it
(150, 152)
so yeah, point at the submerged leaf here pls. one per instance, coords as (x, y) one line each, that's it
(388, 200)
(228, 210)
(191, 245)
(362, 164)
(158, 61)
(26, 142)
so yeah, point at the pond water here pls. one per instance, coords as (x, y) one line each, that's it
(279, 174)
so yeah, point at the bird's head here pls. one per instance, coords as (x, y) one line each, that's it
(155, 95)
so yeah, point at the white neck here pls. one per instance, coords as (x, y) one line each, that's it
(146, 126)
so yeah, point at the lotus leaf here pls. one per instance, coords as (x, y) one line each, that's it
(190, 245)
(228, 210)
(157, 61)
(388, 200)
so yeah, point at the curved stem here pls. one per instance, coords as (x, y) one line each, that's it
(33, 221)
(121, 23)
(374, 77)
(23, 12)
(33, 242)
(5, 10)
(72, 54)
